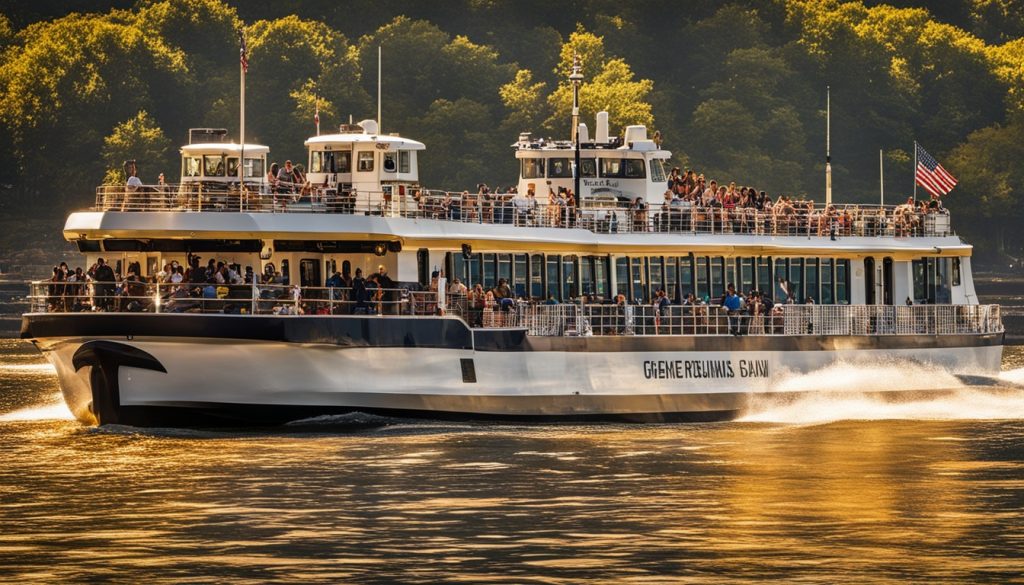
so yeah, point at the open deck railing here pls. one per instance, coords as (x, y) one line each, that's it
(508, 209)
(537, 319)
(788, 320)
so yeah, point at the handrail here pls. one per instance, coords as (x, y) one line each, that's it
(679, 216)
(539, 319)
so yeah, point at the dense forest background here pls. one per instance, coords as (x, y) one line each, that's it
(737, 89)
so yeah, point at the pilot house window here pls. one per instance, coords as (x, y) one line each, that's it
(559, 168)
(213, 165)
(190, 166)
(533, 168)
(365, 162)
(404, 162)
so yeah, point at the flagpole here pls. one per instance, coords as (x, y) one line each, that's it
(881, 179)
(915, 172)
(380, 128)
(828, 145)
(241, 116)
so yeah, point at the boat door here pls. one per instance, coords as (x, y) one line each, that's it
(869, 281)
(887, 281)
(309, 273)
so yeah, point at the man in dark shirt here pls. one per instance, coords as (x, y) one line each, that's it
(104, 276)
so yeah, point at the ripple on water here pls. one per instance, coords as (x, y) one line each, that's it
(933, 496)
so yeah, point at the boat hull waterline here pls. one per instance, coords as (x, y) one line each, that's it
(224, 370)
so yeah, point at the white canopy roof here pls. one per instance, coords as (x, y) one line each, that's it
(395, 142)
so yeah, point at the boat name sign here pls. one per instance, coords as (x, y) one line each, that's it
(690, 369)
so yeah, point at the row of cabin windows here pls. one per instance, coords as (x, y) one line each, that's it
(340, 161)
(566, 277)
(609, 168)
(217, 165)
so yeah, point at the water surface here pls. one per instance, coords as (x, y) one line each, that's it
(818, 491)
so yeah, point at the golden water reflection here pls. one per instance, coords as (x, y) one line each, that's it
(852, 501)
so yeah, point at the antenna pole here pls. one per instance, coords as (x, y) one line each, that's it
(828, 145)
(881, 178)
(380, 127)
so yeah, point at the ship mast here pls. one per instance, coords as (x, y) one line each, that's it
(576, 77)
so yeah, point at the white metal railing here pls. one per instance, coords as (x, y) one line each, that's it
(788, 320)
(684, 217)
(538, 319)
(260, 299)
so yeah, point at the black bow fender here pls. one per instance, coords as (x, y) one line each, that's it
(106, 357)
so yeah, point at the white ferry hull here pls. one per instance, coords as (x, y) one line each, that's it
(311, 369)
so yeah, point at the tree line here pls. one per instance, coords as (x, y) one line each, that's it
(737, 90)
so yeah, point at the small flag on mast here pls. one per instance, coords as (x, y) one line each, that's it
(931, 175)
(243, 57)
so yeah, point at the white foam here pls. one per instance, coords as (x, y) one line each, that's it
(860, 392)
(1013, 376)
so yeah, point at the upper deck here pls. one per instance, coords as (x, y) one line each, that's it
(797, 219)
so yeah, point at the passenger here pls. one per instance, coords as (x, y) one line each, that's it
(477, 300)
(105, 279)
(358, 294)
(286, 178)
(387, 291)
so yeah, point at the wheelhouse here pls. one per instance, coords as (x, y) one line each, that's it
(358, 159)
(613, 168)
(209, 160)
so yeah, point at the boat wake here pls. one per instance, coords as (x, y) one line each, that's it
(55, 409)
(859, 392)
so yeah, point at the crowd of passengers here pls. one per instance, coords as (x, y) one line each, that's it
(754, 311)
(217, 286)
(691, 203)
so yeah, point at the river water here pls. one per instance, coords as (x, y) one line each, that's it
(817, 491)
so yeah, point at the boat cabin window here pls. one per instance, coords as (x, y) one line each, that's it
(253, 167)
(624, 168)
(190, 166)
(588, 167)
(328, 161)
(233, 166)
(404, 161)
(533, 168)
(213, 165)
(559, 168)
(611, 167)
(390, 164)
(365, 162)
(657, 171)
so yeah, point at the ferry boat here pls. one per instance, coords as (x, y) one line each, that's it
(238, 301)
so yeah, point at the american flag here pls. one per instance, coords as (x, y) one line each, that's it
(243, 57)
(930, 174)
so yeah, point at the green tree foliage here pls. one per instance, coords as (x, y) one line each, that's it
(737, 89)
(992, 184)
(65, 84)
(136, 139)
(291, 61)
